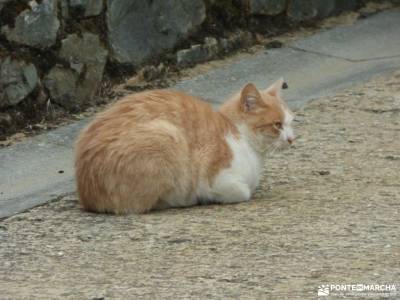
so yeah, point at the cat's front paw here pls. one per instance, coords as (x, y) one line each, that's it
(234, 193)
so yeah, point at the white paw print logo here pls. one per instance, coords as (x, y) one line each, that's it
(323, 290)
(360, 287)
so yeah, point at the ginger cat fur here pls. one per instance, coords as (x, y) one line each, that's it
(164, 148)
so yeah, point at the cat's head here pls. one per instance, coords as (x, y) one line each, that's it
(264, 114)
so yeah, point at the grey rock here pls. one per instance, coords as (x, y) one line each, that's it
(64, 8)
(343, 5)
(138, 30)
(211, 46)
(267, 7)
(87, 57)
(77, 3)
(240, 39)
(90, 7)
(86, 49)
(94, 8)
(3, 2)
(301, 10)
(325, 8)
(61, 84)
(224, 45)
(5, 120)
(36, 27)
(17, 80)
(274, 44)
(245, 38)
(188, 57)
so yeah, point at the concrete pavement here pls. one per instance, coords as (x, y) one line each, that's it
(41, 168)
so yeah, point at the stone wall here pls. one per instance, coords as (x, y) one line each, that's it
(55, 51)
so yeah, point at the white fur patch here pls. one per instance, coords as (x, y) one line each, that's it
(238, 182)
(287, 131)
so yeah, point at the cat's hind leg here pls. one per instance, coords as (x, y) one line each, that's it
(157, 168)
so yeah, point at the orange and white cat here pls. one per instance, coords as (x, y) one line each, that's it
(164, 148)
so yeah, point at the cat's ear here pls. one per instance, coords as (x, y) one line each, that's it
(250, 98)
(276, 88)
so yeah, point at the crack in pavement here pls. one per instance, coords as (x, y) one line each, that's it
(344, 58)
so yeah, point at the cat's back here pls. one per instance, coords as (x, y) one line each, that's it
(161, 104)
(157, 110)
(152, 115)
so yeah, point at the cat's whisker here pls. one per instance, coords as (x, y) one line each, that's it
(275, 147)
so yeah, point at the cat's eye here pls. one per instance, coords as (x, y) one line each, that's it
(278, 125)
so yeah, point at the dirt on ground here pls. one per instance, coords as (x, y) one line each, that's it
(327, 212)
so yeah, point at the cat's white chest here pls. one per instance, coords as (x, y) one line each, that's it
(237, 182)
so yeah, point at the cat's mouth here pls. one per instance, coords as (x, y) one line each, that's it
(292, 140)
(289, 141)
(282, 144)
